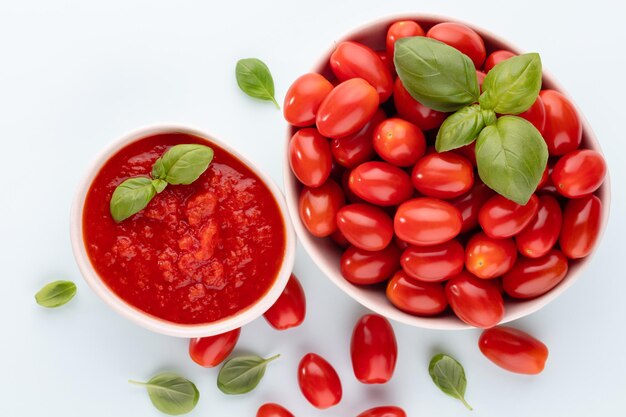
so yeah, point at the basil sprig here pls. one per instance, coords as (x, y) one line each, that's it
(171, 393)
(242, 374)
(255, 79)
(449, 376)
(56, 294)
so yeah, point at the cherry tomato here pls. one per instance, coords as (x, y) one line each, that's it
(496, 57)
(380, 183)
(427, 221)
(304, 97)
(365, 226)
(469, 204)
(384, 411)
(487, 257)
(500, 217)
(543, 181)
(309, 157)
(373, 350)
(443, 175)
(513, 350)
(355, 149)
(578, 173)
(399, 142)
(563, 129)
(467, 151)
(416, 297)
(481, 77)
(462, 38)
(542, 232)
(319, 381)
(401, 29)
(475, 301)
(290, 308)
(355, 60)
(434, 263)
(532, 277)
(340, 239)
(347, 108)
(581, 226)
(415, 112)
(363, 267)
(536, 114)
(211, 351)
(273, 410)
(318, 208)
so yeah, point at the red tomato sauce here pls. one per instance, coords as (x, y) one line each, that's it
(197, 253)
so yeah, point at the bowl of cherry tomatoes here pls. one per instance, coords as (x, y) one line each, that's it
(414, 234)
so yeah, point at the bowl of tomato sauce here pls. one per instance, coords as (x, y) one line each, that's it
(352, 192)
(200, 259)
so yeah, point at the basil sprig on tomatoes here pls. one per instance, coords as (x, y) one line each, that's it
(510, 152)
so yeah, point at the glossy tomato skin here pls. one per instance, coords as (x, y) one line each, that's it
(290, 308)
(563, 129)
(309, 157)
(434, 263)
(304, 97)
(415, 112)
(380, 183)
(213, 350)
(581, 226)
(427, 221)
(399, 142)
(469, 204)
(496, 57)
(462, 38)
(365, 226)
(536, 114)
(384, 411)
(319, 381)
(273, 410)
(541, 234)
(475, 301)
(579, 173)
(363, 267)
(467, 151)
(318, 208)
(388, 63)
(355, 149)
(513, 350)
(488, 258)
(398, 30)
(416, 297)
(501, 218)
(531, 278)
(443, 175)
(355, 60)
(373, 350)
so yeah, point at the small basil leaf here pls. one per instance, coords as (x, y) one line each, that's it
(435, 74)
(159, 185)
(242, 374)
(170, 393)
(182, 164)
(511, 157)
(460, 128)
(512, 86)
(449, 376)
(55, 294)
(255, 79)
(130, 197)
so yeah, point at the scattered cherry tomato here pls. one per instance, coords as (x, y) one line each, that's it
(398, 30)
(496, 57)
(415, 112)
(487, 257)
(427, 221)
(213, 350)
(536, 239)
(319, 381)
(309, 157)
(443, 175)
(273, 410)
(290, 308)
(353, 150)
(399, 142)
(363, 267)
(384, 411)
(462, 38)
(532, 277)
(475, 301)
(513, 350)
(380, 183)
(373, 350)
(536, 114)
(365, 226)
(581, 226)
(304, 97)
(434, 263)
(318, 208)
(578, 173)
(469, 204)
(563, 129)
(416, 297)
(500, 217)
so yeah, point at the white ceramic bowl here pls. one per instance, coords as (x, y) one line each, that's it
(140, 317)
(326, 254)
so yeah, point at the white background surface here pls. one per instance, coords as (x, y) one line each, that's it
(74, 75)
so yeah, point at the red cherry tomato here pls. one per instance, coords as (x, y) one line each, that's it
(427, 221)
(388, 63)
(475, 301)
(468, 151)
(531, 278)
(469, 204)
(304, 97)
(542, 232)
(434, 263)
(536, 114)
(355, 60)
(380, 183)
(462, 38)
(355, 149)
(487, 257)
(563, 130)
(578, 173)
(347, 108)
(319, 381)
(318, 208)
(544, 177)
(500, 217)
(581, 226)
(415, 112)
(365, 226)
(373, 350)
(416, 297)
(211, 351)
(513, 350)
(481, 77)
(384, 411)
(399, 142)
(443, 175)
(309, 157)
(401, 29)
(363, 267)
(340, 239)
(290, 308)
(273, 410)
(496, 57)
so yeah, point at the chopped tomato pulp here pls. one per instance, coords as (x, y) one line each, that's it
(197, 253)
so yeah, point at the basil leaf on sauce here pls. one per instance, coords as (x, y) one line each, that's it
(182, 164)
(56, 294)
(242, 374)
(130, 197)
(171, 393)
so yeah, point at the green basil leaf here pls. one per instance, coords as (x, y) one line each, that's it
(512, 86)
(130, 197)
(55, 294)
(435, 74)
(449, 376)
(460, 128)
(242, 374)
(511, 157)
(255, 79)
(159, 185)
(182, 164)
(170, 393)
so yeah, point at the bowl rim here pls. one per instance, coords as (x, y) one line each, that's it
(133, 313)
